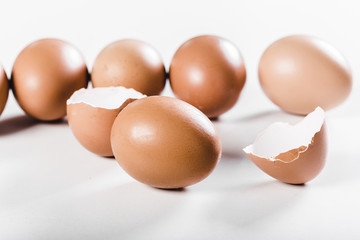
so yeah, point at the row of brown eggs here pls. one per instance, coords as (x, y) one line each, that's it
(298, 73)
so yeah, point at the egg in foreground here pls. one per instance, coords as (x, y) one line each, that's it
(299, 73)
(165, 142)
(44, 76)
(292, 154)
(4, 89)
(91, 114)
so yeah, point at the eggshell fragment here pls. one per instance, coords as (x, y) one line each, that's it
(292, 154)
(299, 73)
(44, 76)
(165, 142)
(4, 89)
(91, 114)
(129, 63)
(209, 73)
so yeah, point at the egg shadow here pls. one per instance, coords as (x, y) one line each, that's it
(181, 189)
(60, 121)
(16, 124)
(19, 123)
(237, 133)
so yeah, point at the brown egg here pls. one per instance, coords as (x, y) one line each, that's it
(299, 73)
(165, 142)
(44, 76)
(132, 64)
(91, 114)
(4, 89)
(292, 154)
(209, 73)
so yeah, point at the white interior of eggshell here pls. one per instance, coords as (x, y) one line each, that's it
(104, 97)
(282, 137)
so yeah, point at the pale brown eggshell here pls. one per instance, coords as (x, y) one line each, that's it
(299, 165)
(91, 125)
(93, 128)
(44, 76)
(4, 89)
(308, 162)
(165, 142)
(209, 73)
(299, 73)
(132, 64)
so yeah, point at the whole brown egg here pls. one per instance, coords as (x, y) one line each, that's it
(299, 73)
(209, 73)
(165, 142)
(4, 89)
(45, 74)
(132, 64)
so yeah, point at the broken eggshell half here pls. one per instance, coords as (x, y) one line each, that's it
(91, 114)
(292, 154)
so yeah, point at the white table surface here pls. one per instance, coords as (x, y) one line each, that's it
(53, 188)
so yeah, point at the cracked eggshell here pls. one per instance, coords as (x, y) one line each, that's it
(4, 89)
(44, 76)
(165, 142)
(91, 114)
(299, 73)
(209, 73)
(296, 164)
(130, 63)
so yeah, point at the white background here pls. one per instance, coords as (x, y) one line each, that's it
(52, 188)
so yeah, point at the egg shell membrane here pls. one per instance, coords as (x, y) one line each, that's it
(298, 165)
(4, 89)
(92, 124)
(104, 97)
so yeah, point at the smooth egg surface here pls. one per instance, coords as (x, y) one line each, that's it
(132, 64)
(45, 74)
(165, 142)
(209, 73)
(299, 73)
